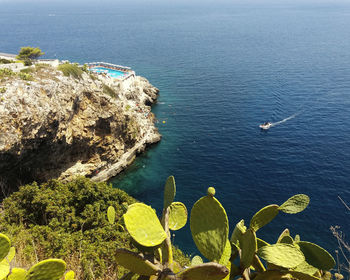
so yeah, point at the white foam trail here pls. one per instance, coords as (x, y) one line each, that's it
(286, 119)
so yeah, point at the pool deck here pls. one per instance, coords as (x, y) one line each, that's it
(127, 70)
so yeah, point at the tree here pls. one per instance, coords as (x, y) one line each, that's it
(28, 53)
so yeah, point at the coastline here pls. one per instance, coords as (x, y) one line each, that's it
(58, 127)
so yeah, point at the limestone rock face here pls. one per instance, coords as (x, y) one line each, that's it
(60, 127)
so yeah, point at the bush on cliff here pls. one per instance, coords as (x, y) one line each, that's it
(68, 221)
(70, 70)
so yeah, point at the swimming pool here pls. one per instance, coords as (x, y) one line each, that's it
(110, 72)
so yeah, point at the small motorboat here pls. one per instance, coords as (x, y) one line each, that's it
(266, 125)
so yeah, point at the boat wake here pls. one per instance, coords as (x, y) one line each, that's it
(284, 120)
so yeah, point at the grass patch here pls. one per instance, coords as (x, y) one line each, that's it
(27, 70)
(109, 91)
(40, 66)
(70, 70)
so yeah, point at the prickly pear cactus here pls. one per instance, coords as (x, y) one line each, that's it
(263, 217)
(280, 254)
(111, 215)
(295, 204)
(211, 191)
(70, 275)
(238, 231)
(212, 271)
(11, 254)
(5, 245)
(4, 268)
(177, 215)
(316, 255)
(226, 255)
(17, 274)
(249, 248)
(136, 263)
(169, 191)
(306, 268)
(283, 234)
(209, 227)
(196, 260)
(51, 269)
(143, 225)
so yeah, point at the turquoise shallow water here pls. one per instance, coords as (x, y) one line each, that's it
(222, 70)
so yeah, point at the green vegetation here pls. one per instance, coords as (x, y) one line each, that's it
(27, 70)
(243, 255)
(109, 91)
(51, 269)
(2, 89)
(5, 61)
(25, 76)
(5, 72)
(27, 54)
(69, 221)
(69, 69)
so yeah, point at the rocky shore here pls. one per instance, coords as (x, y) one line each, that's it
(54, 126)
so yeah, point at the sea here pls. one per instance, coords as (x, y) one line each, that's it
(222, 68)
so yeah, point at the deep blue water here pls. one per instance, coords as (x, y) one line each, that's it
(222, 69)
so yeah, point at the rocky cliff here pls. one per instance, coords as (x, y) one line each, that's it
(53, 126)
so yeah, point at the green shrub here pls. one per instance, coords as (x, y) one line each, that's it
(68, 221)
(25, 76)
(3, 90)
(70, 70)
(6, 72)
(109, 91)
(5, 61)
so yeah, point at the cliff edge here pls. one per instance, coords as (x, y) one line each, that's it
(56, 126)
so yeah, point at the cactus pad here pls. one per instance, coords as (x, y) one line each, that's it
(211, 191)
(70, 275)
(302, 276)
(226, 255)
(238, 231)
(4, 268)
(306, 268)
(209, 227)
(295, 204)
(169, 191)
(196, 260)
(281, 254)
(143, 225)
(17, 274)
(5, 245)
(249, 247)
(177, 215)
(287, 239)
(264, 216)
(135, 263)
(111, 214)
(11, 254)
(283, 234)
(212, 271)
(316, 255)
(51, 269)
